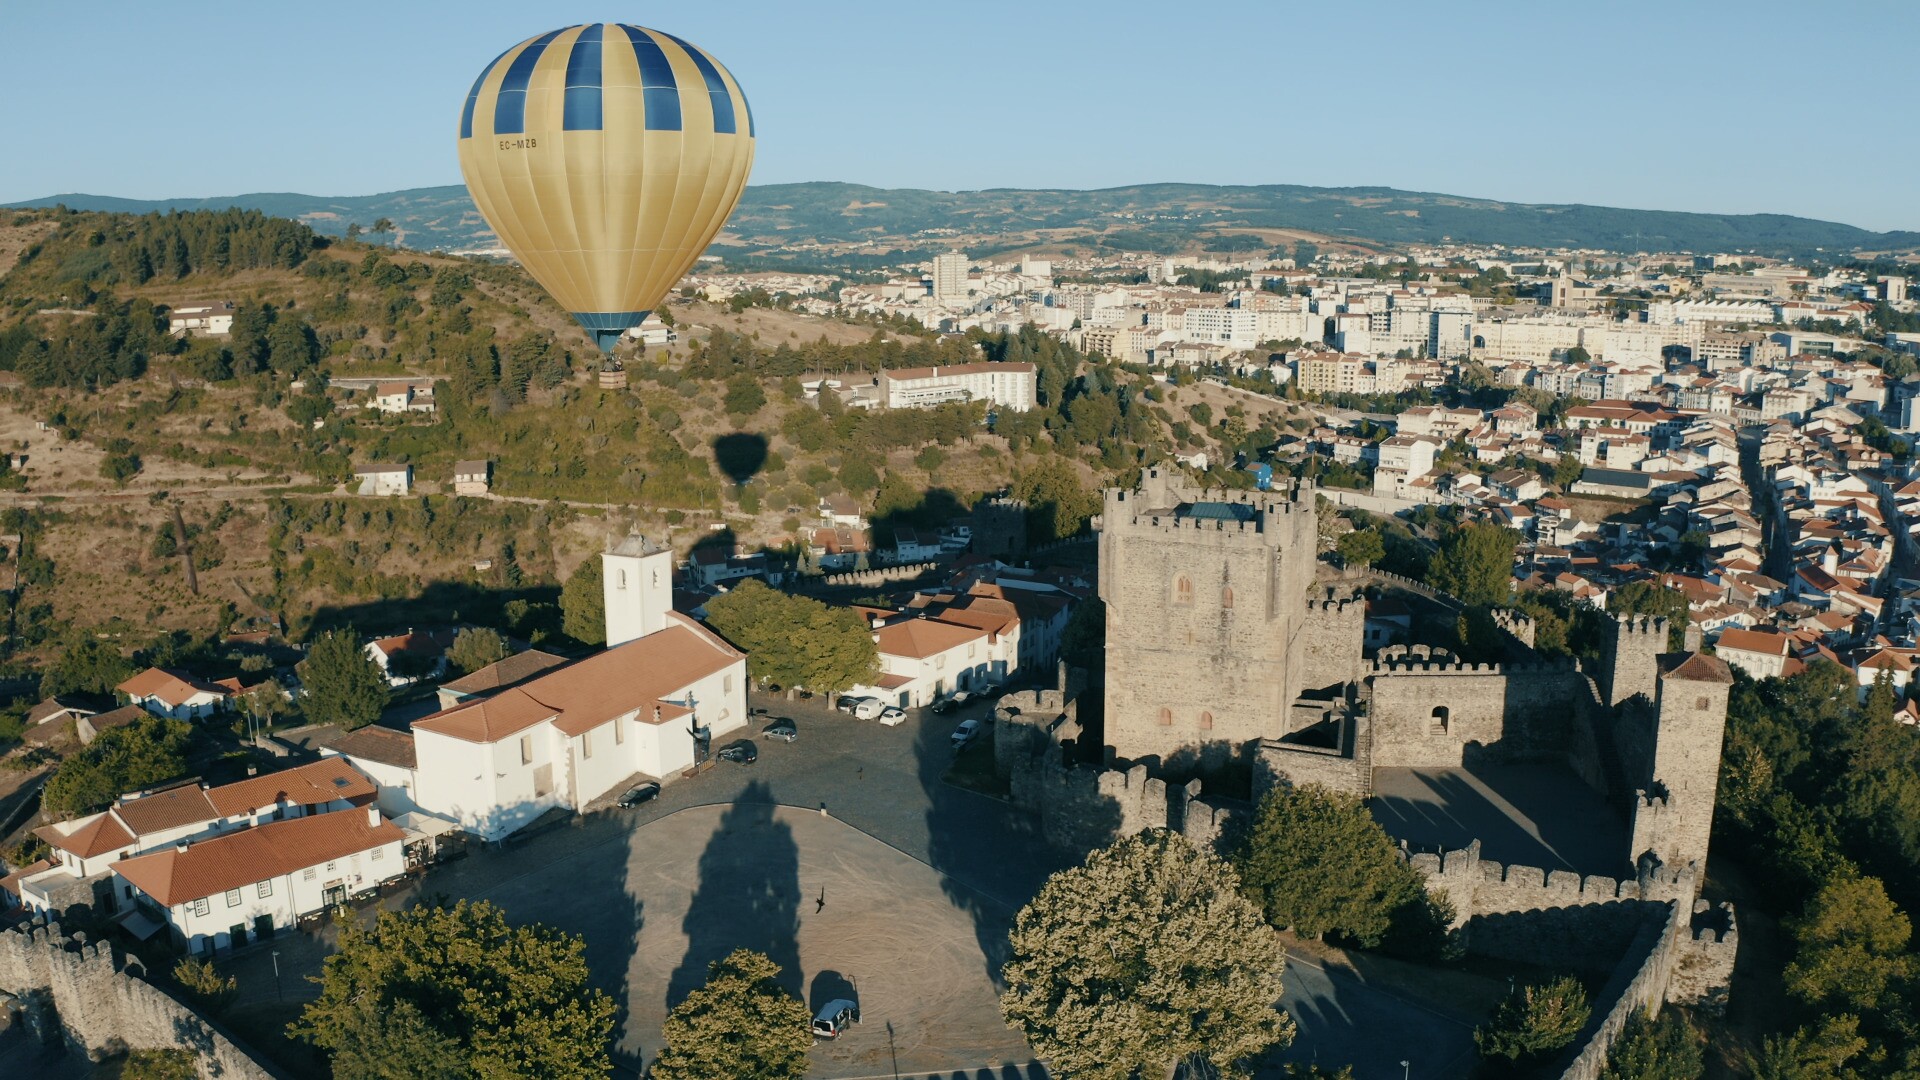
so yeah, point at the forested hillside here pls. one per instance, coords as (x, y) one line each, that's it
(255, 435)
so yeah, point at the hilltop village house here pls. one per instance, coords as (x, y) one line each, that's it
(174, 694)
(651, 704)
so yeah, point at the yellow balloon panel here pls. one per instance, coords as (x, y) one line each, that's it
(606, 157)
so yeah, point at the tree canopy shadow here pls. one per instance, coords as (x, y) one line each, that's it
(748, 896)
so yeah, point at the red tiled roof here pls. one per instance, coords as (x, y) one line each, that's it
(171, 687)
(921, 638)
(241, 859)
(587, 693)
(88, 837)
(1753, 641)
(313, 784)
(383, 745)
(1696, 667)
(164, 810)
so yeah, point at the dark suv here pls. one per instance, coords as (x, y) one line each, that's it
(740, 753)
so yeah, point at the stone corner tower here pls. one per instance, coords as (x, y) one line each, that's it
(1633, 658)
(1206, 596)
(1673, 813)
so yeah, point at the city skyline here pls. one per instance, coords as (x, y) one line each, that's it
(1011, 99)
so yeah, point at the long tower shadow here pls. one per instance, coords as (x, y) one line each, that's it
(748, 896)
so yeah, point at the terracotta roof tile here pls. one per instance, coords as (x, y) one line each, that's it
(514, 669)
(313, 784)
(1696, 667)
(240, 859)
(921, 638)
(86, 837)
(588, 693)
(384, 745)
(171, 687)
(164, 810)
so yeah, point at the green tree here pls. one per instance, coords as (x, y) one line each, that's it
(1810, 1054)
(205, 985)
(1852, 947)
(1567, 470)
(1475, 564)
(159, 1065)
(1144, 957)
(742, 1024)
(342, 683)
(583, 604)
(744, 396)
(1656, 1048)
(1651, 598)
(1058, 504)
(149, 750)
(1362, 548)
(395, 1042)
(794, 640)
(515, 1000)
(1316, 862)
(120, 468)
(87, 666)
(1535, 1020)
(475, 647)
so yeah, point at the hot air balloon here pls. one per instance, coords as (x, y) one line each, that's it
(606, 157)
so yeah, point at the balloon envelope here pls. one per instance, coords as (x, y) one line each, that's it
(606, 157)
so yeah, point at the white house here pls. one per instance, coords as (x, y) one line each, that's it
(663, 690)
(87, 848)
(426, 651)
(402, 397)
(384, 479)
(472, 477)
(922, 659)
(173, 694)
(207, 318)
(222, 892)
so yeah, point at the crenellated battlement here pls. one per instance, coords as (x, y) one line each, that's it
(1654, 626)
(1480, 886)
(1410, 666)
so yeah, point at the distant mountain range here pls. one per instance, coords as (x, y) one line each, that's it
(1149, 217)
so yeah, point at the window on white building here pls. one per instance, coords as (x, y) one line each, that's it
(330, 866)
(586, 744)
(726, 683)
(265, 888)
(526, 749)
(200, 906)
(233, 897)
(307, 874)
(619, 731)
(377, 853)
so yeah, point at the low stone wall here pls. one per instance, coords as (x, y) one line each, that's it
(98, 1003)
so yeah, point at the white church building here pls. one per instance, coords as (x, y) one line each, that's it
(664, 687)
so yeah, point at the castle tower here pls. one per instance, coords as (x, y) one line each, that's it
(638, 588)
(1206, 597)
(1633, 658)
(1673, 818)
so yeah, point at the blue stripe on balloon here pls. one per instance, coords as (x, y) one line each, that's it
(510, 105)
(473, 97)
(583, 82)
(659, 88)
(716, 86)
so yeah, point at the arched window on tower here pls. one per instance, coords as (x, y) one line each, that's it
(1183, 590)
(1166, 717)
(1206, 721)
(1437, 725)
(1226, 598)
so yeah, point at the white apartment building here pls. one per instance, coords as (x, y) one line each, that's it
(206, 318)
(950, 276)
(1010, 386)
(1403, 459)
(922, 660)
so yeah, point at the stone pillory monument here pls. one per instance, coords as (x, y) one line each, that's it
(1565, 812)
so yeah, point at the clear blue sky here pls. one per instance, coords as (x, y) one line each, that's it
(1681, 105)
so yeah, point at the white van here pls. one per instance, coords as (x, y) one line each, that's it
(869, 709)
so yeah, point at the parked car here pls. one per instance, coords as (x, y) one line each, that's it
(834, 1018)
(638, 794)
(893, 716)
(740, 753)
(848, 704)
(965, 733)
(952, 701)
(781, 728)
(869, 709)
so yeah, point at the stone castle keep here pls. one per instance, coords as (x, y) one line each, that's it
(1220, 646)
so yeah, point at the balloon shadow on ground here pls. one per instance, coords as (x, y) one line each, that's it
(740, 455)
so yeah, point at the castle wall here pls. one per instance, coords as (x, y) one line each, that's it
(1332, 629)
(1673, 817)
(84, 994)
(1521, 711)
(1345, 768)
(1632, 664)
